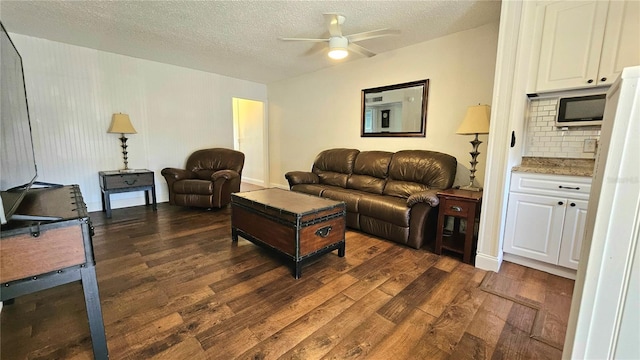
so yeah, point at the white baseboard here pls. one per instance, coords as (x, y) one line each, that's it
(488, 262)
(251, 181)
(538, 265)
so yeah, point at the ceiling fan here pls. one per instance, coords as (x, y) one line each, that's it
(340, 45)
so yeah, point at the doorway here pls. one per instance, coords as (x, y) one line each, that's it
(249, 137)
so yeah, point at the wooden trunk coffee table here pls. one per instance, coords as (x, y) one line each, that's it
(298, 226)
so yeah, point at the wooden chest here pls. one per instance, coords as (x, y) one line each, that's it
(40, 247)
(297, 226)
(49, 245)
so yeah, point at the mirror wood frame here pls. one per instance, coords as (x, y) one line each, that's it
(381, 89)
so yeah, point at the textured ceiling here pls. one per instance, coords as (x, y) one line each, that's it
(239, 38)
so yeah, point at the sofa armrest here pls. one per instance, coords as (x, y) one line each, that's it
(428, 196)
(177, 174)
(301, 177)
(226, 174)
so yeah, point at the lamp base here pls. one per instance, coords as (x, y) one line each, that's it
(472, 172)
(470, 188)
(123, 139)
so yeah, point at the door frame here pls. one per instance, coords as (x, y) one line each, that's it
(265, 135)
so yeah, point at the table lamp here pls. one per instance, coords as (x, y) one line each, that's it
(120, 124)
(476, 121)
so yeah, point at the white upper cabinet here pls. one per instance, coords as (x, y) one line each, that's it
(621, 47)
(585, 43)
(572, 34)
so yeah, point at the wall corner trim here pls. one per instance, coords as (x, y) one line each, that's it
(489, 262)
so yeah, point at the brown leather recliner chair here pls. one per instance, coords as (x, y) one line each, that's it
(210, 177)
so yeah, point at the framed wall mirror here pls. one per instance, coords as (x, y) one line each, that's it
(395, 110)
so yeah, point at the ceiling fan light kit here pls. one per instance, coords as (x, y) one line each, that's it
(340, 45)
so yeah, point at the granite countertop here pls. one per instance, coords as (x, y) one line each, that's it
(556, 166)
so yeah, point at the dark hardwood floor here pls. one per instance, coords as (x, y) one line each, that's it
(174, 286)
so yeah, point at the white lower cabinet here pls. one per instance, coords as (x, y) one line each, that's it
(534, 227)
(572, 233)
(546, 218)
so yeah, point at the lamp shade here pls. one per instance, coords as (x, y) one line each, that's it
(476, 121)
(121, 124)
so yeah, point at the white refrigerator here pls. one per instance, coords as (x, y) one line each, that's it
(604, 322)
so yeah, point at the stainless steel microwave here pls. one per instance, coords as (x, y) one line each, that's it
(581, 110)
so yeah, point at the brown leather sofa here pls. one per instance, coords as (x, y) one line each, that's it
(211, 175)
(390, 195)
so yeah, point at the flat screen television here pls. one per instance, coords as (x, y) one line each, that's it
(18, 170)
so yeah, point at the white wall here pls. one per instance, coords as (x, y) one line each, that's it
(73, 91)
(321, 110)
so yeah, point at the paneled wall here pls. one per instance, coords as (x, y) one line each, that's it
(73, 91)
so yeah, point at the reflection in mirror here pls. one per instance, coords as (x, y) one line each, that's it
(395, 110)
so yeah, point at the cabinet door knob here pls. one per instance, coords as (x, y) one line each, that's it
(603, 79)
(590, 81)
(560, 203)
(573, 204)
(568, 187)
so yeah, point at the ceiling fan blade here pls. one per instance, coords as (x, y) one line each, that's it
(302, 39)
(372, 34)
(360, 50)
(333, 23)
(315, 49)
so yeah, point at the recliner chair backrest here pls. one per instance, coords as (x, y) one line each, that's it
(334, 166)
(370, 171)
(412, 171)
(207, 161)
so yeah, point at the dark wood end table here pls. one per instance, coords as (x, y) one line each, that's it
(116, 181)
(464, 207)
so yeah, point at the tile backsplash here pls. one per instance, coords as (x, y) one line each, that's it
(544, 139)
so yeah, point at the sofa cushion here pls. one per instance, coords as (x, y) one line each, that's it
(193, 186)
(204, 174)
(388, 208)
(334, 166)
(386, 230)
(350, 197)
(366, 183)
(403, 189)
(370, 171)
(333, 178)
(412, 171)
(194, 200)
